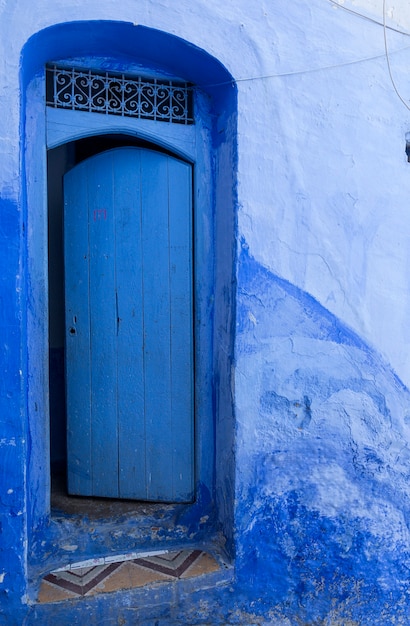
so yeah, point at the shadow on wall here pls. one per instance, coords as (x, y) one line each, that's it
(323, 462)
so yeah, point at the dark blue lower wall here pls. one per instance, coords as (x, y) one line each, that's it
(322, 473)
(323, 463)
(13, 441)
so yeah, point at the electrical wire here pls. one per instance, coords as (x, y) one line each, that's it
(369, 19)
(386, 55)
(386, 50)
(304, 71)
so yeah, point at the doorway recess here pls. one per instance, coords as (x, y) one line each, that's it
(64, 334)
(124, 331)
(57, 140)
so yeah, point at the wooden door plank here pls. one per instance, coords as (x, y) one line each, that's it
(181, 358)
(78, 363)
(103, 325)
(156, 324)
(131, 402)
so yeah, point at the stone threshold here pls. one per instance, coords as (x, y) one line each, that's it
(126, 571)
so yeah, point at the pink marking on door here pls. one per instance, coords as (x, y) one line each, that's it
(100, 214)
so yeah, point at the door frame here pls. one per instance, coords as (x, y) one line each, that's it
(62, 127)
(210, 144)
(69, 126)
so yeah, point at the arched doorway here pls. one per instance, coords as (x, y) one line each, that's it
(209, 148)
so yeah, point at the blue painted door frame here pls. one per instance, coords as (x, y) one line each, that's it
(129, 326)
(210, 144)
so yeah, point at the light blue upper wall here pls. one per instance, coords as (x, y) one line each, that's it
(334, 183)
(330, 141)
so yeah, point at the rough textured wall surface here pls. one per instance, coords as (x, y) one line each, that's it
(322, 354)
(323, 471)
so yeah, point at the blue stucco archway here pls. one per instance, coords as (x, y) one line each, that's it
(118, 45)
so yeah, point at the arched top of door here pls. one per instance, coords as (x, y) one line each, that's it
(124, 47)
(95, 144)
(128, 44)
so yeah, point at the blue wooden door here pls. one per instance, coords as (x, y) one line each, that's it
(129, 335)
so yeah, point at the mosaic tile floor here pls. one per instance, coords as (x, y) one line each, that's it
(123, 572)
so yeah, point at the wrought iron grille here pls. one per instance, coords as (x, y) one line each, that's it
(118, 94)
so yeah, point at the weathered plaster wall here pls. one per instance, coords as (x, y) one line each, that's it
(322, 344)
(333, 118)
(323, 473)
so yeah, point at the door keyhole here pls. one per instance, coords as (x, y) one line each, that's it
(72, 331)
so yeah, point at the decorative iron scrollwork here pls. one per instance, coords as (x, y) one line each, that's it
(118, 94)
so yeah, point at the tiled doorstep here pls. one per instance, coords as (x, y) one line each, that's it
(125, 571)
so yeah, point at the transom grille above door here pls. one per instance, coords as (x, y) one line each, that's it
(119, 94)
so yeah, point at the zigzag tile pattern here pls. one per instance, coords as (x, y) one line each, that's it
(77, 580)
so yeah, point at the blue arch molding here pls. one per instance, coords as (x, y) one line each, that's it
(122, 43)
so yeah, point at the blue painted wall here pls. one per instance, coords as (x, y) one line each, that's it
(323, 516)
(304, 311)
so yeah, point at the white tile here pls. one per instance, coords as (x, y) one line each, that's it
(114, 558)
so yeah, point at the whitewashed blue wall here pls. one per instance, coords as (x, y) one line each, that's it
(319, 122)
(322, 351)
